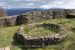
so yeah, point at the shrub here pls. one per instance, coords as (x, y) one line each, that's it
(2, 12)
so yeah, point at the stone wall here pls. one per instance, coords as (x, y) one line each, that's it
(28, 41)
(7, 21)
(44, 15)
(34, 16)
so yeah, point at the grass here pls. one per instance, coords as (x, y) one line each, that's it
(7, 34)
(41, 31)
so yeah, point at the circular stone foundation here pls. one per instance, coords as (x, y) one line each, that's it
(38, 35)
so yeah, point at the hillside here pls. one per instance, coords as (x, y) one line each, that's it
(7, 33)
(9, 25)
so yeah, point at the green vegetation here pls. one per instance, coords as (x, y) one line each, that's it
(7, 34)
(41, 30)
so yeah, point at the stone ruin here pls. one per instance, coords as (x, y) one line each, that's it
(7, 21)
(28, 41)
(35, 16)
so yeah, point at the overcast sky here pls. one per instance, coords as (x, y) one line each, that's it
(68, 4)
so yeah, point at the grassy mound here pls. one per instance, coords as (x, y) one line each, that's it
(7, 33)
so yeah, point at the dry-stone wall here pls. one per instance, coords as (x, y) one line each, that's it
(7, 21)
(43, 15)
(34, 17)
(28, 41)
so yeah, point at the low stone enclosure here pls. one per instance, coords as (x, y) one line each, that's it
(29, 41)
(35, 16)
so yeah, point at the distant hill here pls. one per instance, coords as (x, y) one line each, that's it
(17, 11)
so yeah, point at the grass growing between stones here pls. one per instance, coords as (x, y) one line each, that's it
(7, 34)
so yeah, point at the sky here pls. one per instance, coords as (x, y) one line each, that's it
(46, 4)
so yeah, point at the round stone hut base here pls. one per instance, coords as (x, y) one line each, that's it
(28, 41)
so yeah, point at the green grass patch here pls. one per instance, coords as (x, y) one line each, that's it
(41, 31)
(6, 36)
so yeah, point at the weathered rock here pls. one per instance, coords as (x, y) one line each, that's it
(9, 21)
(70, 15)
(22, 19)
(59, 14)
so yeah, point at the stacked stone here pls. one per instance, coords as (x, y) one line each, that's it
(43, 15)
(36, 16)
(40, 41)
(8, 21)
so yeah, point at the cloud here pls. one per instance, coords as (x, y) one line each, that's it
(8, 4)
(68, 4)
(45, 6)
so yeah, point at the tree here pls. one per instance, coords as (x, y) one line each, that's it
(2, 12)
